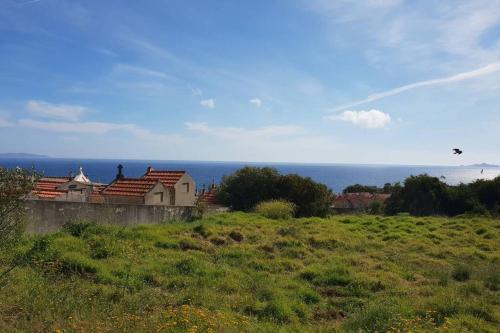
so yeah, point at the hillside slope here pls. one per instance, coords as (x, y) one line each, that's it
(241, 272)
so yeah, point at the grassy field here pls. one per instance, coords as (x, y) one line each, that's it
(241, 272)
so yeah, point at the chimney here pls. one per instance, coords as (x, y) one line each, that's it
(149, 169)
(120, 175)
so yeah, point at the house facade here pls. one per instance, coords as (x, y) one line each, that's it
(155, 187)
(74, 189)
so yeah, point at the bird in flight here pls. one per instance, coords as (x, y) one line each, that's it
(457, 151)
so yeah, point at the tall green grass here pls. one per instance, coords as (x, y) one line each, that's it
(238, 272)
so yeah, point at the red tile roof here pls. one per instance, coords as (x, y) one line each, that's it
(208, 198)
(46, 188)
(131, 187)
(358, 200)
(168, 178)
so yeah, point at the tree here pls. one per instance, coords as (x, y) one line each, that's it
(15, 184)
(247, 187)
(357, 188)
(487, 192)
(421, 195)
(310, 198)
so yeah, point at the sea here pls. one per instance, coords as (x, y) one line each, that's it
(335, 176)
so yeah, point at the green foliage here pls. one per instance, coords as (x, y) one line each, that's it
(376, 208)
(334, 274)
(248, 186)
(244, 189)
(425, 195)
(276, 209)
(461, 273)
(356, 188)
(310, 198)
(15, 185)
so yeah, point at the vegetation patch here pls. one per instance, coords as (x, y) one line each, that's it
(237, 271)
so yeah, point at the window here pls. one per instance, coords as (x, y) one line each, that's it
(158, 197)
(185, 187)
(72, 187)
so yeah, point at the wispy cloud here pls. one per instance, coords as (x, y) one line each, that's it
(256, 101)
(28, 2)
(238, 132)
(491, 68)
(208, 103)
(76, 127)
(140, 71)
(419, 35)
(100, 128)
(56, 111)
(196, 91)
(366, 119)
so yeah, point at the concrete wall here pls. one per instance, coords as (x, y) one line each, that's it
(50, 216)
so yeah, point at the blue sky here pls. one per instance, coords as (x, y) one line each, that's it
(375, 81)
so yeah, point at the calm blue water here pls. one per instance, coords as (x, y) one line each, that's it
(335, 176)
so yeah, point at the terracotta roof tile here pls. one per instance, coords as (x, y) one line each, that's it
(358, 200)
(129, 187)
(46, 187)
(209, 198)
(167, 177)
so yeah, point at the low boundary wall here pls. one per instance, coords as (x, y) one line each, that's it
(51, 216)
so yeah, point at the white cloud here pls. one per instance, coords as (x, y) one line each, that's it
(208, 103)
(417, 34)
(75, 127)
(256, 101)
(56, 111)
(491, 68)
(366, 119)
(242, 133)
(96, 128)
(196, 91)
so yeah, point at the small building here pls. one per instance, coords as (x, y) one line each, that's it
(136, 191)
(180, 183)
(208, 197)
(155, 187)
(360, 201)
(74, 189)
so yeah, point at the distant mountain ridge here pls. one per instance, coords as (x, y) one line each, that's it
(22, 155)
(484, 165)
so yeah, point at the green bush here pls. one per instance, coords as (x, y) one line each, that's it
(276, 209)
(461, 273)
(248, 186)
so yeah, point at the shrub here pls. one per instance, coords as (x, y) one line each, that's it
(236, 236)
(15, 184)
(276, 209)
(201, 230)
(310, 297)
(78, 228)
(100, 248)
(187, 244)
(461, 273)
(248, 186)
(278, 312)
(219, 241)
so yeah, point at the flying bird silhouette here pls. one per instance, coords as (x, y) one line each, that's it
(457, 151)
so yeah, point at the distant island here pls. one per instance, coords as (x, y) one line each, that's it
(483, 165)
(22, 155)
